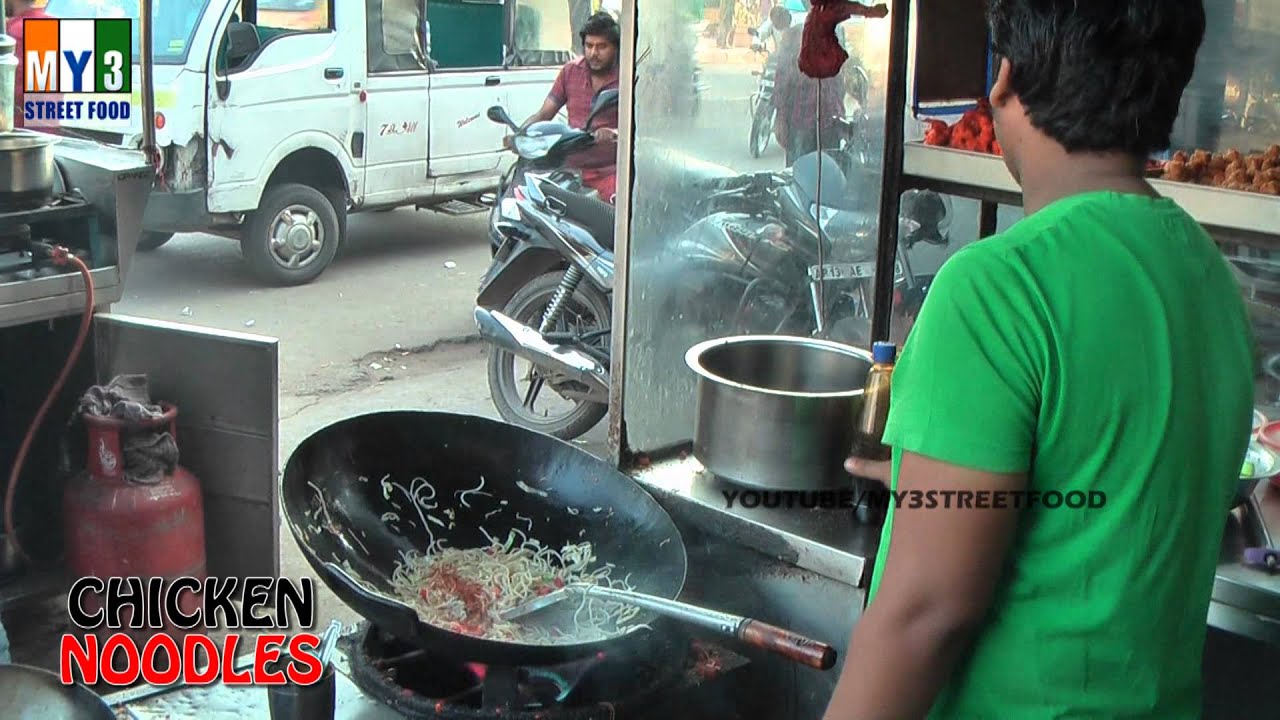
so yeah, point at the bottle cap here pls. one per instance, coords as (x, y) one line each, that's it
(884, 352)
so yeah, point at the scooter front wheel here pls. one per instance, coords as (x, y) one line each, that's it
(563, 413)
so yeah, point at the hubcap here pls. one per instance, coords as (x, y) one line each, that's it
(296, 236)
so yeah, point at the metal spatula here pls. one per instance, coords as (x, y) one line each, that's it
(786, 643)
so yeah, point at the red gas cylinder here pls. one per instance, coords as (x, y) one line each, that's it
(116, 527)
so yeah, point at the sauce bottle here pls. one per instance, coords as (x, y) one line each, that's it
(869, 426)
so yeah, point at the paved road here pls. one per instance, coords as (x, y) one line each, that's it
(407, 278)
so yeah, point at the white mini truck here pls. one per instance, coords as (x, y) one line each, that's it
(276, 119)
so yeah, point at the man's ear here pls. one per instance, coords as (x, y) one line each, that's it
(1001, 90)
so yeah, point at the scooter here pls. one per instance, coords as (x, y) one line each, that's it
(532, 301)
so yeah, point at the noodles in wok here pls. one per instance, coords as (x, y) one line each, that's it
(466, 590)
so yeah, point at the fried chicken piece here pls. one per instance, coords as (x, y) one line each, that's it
(1178, 171)
(1216, 180)
(1253, 165)
(1270, 188)
(1199, 167)
(1272, 155)
(1181, 157)
(1201, 157)
(1232, 156)
(1238, 180)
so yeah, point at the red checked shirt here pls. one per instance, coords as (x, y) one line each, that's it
(575, 88)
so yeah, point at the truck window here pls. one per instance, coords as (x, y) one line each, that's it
(274, 18)
(544, 25)
(173, 23)
(399, 26)
(543, 33)
(296, 15)
(466, 35)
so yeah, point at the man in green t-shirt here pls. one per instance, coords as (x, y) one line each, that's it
(1101, 345)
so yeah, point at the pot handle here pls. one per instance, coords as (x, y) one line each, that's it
(788, 644)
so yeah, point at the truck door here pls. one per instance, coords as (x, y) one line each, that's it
(398, 90)
(271, 86)
(467, 48)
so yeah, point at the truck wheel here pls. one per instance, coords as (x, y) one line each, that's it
(292, 236)
(151, 240)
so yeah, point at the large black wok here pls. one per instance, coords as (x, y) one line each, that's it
(29, 693)
(575, 497)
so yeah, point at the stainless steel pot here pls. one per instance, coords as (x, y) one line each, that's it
(776, 412)
(27, 169)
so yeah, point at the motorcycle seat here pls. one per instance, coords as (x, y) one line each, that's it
(596, 216)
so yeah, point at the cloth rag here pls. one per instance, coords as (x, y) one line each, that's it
(149, 453)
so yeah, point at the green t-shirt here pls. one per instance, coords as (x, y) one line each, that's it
(1099, 344)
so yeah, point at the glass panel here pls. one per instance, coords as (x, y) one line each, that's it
(1233, 100)
(544, 26)
(303, 15)
(463, 34)
(725, 223)
(173, 23)
(400, 26)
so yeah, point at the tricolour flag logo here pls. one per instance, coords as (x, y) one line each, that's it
(78, 56)
(63, 59)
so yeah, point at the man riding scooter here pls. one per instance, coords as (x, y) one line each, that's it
(575, 88)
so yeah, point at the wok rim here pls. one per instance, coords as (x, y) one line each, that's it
(693, 358)
(484, 650)
(79, 689)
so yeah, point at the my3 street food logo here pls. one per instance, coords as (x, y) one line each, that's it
(162, 631)
(915, 499)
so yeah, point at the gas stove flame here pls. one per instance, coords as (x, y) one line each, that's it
(477, 670)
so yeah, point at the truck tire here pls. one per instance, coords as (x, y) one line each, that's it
(293, 235)
(149, 241)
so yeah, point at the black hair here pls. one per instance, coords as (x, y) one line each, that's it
(780, 17)
(1099, 75)
(602, 25)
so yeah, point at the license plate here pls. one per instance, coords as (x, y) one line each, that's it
(850, 271)
(842, 271)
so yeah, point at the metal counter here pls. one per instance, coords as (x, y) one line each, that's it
(1246, 600)
(836, 545)
(832, 543)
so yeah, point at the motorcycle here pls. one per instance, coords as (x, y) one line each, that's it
(767, 265)
(532, 299)
(546, 297)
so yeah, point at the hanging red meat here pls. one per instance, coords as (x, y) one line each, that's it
(820, 52)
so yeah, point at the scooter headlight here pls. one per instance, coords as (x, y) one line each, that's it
(509, 209)
(535, 146)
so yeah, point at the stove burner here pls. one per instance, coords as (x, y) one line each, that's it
(16, 238)
(421, 685)
(19, 201)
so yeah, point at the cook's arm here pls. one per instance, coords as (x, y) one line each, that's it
(935, 589)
